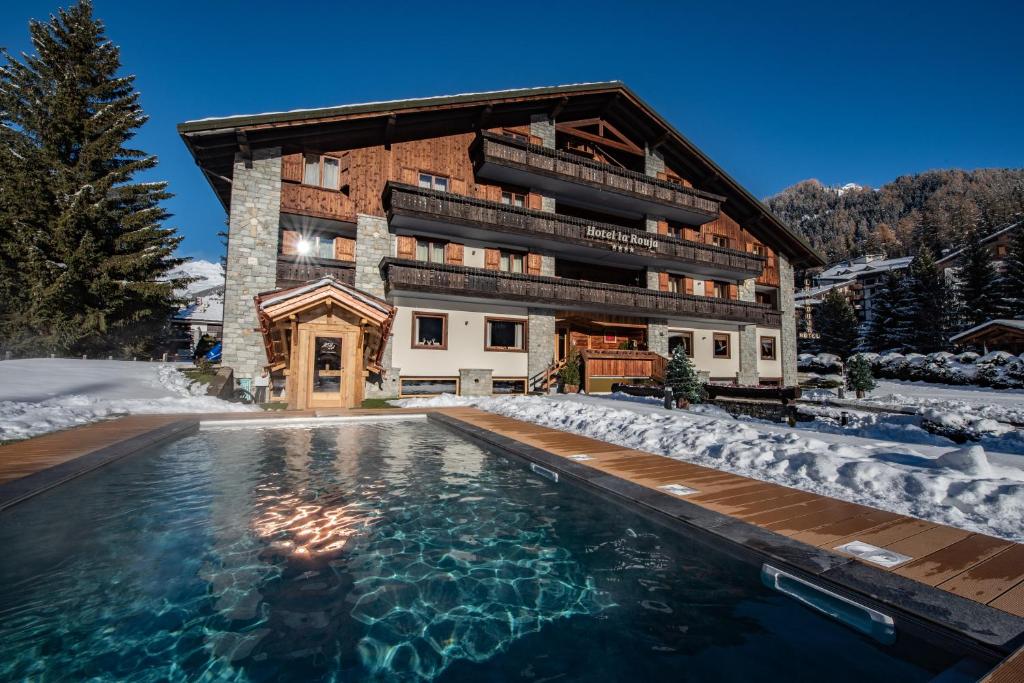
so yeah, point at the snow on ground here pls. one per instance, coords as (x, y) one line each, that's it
(1006, 405)
(206, 273)
(955, 486)
(46, 394)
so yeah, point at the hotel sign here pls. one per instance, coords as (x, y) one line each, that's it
(623, 241)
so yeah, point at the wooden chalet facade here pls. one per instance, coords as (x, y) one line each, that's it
(505, 228)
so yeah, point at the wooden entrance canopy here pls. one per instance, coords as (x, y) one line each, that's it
(292, 318)
(994, 335)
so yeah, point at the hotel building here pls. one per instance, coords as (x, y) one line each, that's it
(465, 244)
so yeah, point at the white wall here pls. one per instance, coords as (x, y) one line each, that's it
(769, 368)
(465, 340)
(703, 350)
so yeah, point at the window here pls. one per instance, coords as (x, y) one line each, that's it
(429, 181)
(677, 283)
(720, 241)
(509, 386)
(721, 345)
(716, 289)
(321, 171)
(319, 246)
(515, 136)
(513, 198)
(757, 249)
(504, 334)
(431, 251)
(767, 348)
(684, 339)
(430, 331)
(1001, 251)
(511, 261)
(763, 298)
(428, 386)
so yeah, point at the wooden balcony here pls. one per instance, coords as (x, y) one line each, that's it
(295, 269)
(565, 293)
(451, 214)
(581, 181)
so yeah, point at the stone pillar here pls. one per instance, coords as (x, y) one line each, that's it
(547, 265)
(654, 162)
(252, 256)
(540, 345)
(749, 347)
(657, 336)
(788, 334)
(651, 224)
(373, 242)
(475, 382)
(544, 128)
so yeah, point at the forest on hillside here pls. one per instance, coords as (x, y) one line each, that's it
(936, 208)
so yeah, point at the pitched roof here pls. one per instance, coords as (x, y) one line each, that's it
(1012, 324)
(985, 240)
(214, 141)
(847, 270)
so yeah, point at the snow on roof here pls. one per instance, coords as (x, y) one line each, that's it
(815, 292)
(1015, 324)
(404, 101)
(373, 302)
(848, 269)
(988, 238)
(209, 308)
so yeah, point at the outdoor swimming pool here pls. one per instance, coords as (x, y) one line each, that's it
(387, 551)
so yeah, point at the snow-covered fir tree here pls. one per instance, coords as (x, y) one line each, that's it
(84, 255)
(980, 286)
(1013, 281)
(837, 326)
(928, 314)
(682, 378)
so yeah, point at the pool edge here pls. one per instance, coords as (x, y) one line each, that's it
(984, 630)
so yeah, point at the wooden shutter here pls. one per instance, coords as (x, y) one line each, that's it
(406, 247)
(662, 227)
(663, 282)
(533, 262)
(688, 285)
(290, 242)
(733, 291)
(291, 167)
(458, 186)
(344, 249)
(534, 201)
(453, 254)
(492, 259)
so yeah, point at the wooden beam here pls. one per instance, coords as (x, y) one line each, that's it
(389, 131)
(662, 139)
(608, 142)
(243, 146)
(558, 108)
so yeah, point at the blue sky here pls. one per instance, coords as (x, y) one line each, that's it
(843, 92)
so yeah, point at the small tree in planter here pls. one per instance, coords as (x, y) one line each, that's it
(858, 375)
(680, 376)
(570, 372)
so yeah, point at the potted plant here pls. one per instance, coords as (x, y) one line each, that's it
(684, 381)
(858, 375)
(570, 372)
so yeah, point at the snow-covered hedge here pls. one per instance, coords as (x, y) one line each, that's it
(997, 369)
(821, 363)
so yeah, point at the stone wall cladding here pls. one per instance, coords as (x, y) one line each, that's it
(540, 345)
(651, 224)
(788, 333)
(657, 336)
(543, 127)
(547, 265)
(476, 382)
(748, 343)
(654, 162)
(373, 242)
(252, 256)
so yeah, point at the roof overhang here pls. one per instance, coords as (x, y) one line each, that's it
(214, 142)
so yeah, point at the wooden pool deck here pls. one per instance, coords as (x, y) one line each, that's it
(975, 567)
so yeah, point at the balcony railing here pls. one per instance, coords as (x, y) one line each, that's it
(617, 187)
(301, 269)
(442, 207)
(401, 274)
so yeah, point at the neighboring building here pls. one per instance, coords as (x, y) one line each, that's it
(994, 335)
(203, 315)
(473, 240)
(860, 279)
(998, 243)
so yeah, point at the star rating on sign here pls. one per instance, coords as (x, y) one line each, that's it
(623, 248)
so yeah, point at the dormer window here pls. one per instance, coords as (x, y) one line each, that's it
(720, 241)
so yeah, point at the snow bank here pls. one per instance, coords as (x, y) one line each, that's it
(997, 369)
(821, 363)
(961, 490)
(43, 395)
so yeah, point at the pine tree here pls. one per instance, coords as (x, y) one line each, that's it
(836, 323)
(929, 315)
(884, 331)
(84, 257)
(858, 375)
(1013, 280)
(980, 286)
(682, 378)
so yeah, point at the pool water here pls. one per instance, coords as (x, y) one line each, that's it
(387, 551)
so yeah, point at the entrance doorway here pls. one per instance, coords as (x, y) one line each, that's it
(328, 367)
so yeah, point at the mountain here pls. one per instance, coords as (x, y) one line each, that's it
(206, 273)
(936, 208)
